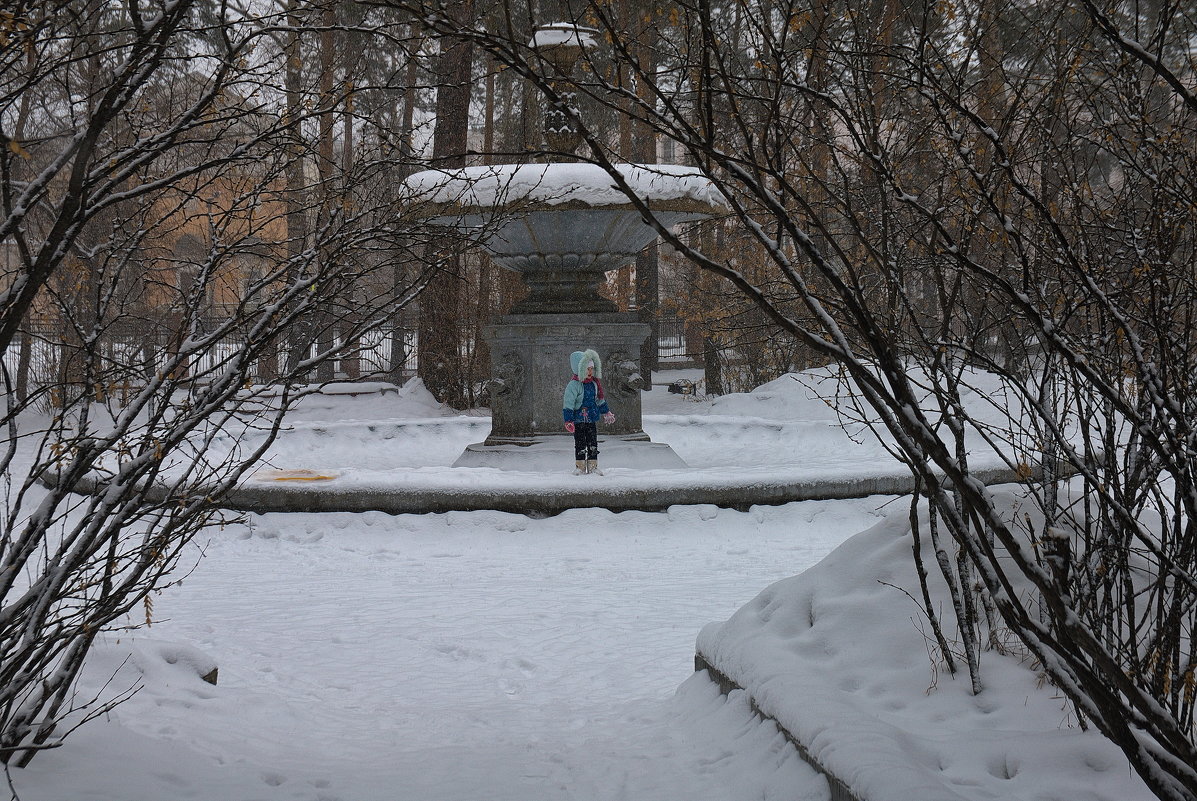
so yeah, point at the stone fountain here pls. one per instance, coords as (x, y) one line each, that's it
(562, 226)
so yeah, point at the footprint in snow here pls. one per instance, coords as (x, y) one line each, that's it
(273, 779)
(525, 667)
(460, 652)
(306, 538)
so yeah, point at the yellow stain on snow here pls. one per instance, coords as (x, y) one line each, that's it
(294, 475)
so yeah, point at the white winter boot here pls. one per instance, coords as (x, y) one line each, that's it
(592, 466)
(580, 467)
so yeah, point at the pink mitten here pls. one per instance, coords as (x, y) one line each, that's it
(569, 427)
(609, 418)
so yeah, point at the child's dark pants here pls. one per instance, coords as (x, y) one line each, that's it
(585, 441)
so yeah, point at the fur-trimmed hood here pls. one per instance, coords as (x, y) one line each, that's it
(580, 358)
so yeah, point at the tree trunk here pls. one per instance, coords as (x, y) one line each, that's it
(352, 363)
(401, 268)
(483, 307)
(326, 166)
(648, 260)
(441, 363)
(299, 341)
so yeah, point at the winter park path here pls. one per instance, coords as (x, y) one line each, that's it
(453, 657)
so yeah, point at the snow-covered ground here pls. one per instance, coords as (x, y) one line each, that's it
(493, 656)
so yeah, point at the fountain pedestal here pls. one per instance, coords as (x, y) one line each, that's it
(530, 368)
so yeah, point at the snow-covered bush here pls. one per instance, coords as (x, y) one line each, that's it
(169, 231)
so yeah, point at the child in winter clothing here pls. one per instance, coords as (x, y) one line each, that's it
(582, 406)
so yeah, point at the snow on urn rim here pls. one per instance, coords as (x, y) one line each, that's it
(564, 34)
(663, 187)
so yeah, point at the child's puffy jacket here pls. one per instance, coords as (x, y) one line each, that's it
(584, 401)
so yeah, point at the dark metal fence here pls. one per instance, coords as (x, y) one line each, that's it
(671, 338)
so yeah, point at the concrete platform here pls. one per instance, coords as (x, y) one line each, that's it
(503, 487)
(447, 489)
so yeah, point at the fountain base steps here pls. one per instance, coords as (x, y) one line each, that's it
(549, 454)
